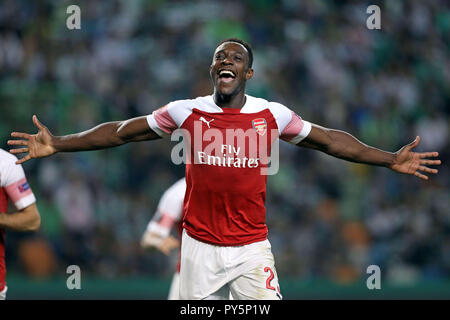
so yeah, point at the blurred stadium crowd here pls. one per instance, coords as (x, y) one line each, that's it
(327, 218)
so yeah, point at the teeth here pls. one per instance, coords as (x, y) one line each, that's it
(226, 72)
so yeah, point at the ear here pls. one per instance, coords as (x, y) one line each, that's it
(249, 74)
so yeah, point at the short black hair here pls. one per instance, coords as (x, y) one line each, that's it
(246, 46)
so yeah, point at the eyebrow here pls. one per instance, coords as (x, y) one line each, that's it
(233, 51)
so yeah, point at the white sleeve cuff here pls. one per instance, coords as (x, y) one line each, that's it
(159, 230)
(25, 202)
(303, 134)
(154, 126)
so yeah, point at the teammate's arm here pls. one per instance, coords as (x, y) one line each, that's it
(151, 240)
(169, 212)
(27, 219)
(105, 135)
(342, 145)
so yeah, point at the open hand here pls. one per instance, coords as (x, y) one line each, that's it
(413, 162)
(37, 145)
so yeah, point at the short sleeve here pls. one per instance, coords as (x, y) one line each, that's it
(292, 128)
(15, 184)
(167, 119)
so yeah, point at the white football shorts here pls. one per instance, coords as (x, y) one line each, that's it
(3, 293)
(174, 292)
(217, 272)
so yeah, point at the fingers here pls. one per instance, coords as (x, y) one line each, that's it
(165, 250)
(430, 162)
(429, 170)
(425, 169)
(24, 159)
(428, 154)
(169, 244)
(20, 135)
(37, 123)
(19, 150)
(421, 176)
(414, 143)
(18, 142)
(427, 162)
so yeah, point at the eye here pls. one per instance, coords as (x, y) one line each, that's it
(237, 58)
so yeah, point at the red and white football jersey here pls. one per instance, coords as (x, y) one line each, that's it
(227, 150)
(14, 187)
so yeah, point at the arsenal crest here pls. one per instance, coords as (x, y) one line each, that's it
(260, 125)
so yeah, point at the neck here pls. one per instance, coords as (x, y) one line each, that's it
(236, 101)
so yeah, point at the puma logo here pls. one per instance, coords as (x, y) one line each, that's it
(207, 122)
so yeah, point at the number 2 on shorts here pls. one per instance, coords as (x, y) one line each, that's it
(270, 278)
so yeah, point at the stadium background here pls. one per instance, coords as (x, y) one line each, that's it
(328, 219)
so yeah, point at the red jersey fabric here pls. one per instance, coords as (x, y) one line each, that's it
(226, 151)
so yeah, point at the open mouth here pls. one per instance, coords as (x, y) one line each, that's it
(226, 75)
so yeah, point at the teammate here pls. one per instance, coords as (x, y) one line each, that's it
(224, 245)
(157, 235)
(168, 215)
(14, 187)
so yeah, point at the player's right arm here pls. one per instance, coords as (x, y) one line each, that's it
(106, 135)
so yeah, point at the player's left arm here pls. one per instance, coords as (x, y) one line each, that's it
(343, 145)
(27, 219)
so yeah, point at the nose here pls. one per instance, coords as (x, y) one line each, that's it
(227, 61)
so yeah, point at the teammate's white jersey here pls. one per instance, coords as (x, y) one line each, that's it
(13, 181)
(169, 210)
(13, 187)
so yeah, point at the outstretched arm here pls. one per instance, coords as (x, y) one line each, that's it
(344, 146)
(105, 135)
